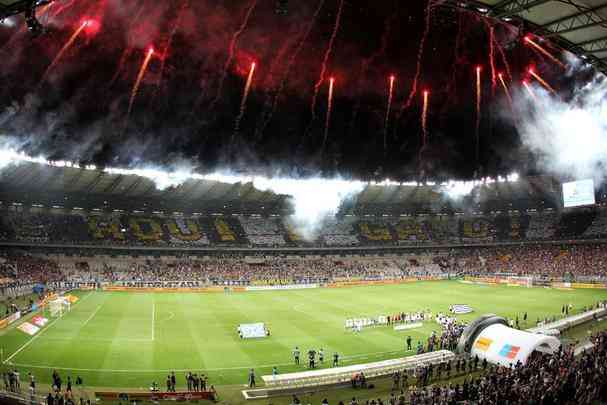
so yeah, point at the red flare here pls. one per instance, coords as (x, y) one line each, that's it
(329, 110)
(541, 80)
(140, 75)
(243, 103)
(529, 90)
(63, 50)
(425, 118)
(388, 109)
(505, 87)
(544, 52)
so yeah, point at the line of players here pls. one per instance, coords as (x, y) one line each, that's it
(321, 355)
(312, 357)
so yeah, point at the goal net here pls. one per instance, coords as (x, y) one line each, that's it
(59, 306)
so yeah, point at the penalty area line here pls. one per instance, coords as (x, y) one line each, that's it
(29, 342)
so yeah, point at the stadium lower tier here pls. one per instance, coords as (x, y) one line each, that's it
(130, 340)
(75, 228)
(567, 263)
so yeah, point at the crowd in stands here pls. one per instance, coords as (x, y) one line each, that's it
(251, 231)
(582, 262)
(546, 260)
(545, 379)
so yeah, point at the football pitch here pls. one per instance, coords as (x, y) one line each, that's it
(127, 339)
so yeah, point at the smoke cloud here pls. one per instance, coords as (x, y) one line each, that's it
(569, 137)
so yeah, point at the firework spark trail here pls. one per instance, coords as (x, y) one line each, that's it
(506, 90)
(325, 60)
(142, 70)
(64, 7)
(271, 88)
(243, 103)
(165, 51)
(500, 49)
(425, 118)
(420, 55)
(478, 109)
(329, 110)
(529, 90)
(388, 110)
(544, 52)
(63, 50)
(128, 50)
(456, 57)
(492, 55)
(366, 63)
(232, 53)
(542, 81)
(290, 64)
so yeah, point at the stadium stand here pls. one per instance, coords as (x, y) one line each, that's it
(254, 231)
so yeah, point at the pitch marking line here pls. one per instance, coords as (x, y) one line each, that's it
(26, 344)
(106, 370)
(91, 317)
(153, 319)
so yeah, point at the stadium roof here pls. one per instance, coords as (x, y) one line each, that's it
(89, 189)
(32, 183)
(579, 26)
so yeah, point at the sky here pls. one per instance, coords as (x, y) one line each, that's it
(81, 102)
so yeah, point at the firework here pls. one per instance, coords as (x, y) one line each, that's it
(543, 51)
(364, 67)
(529, 90)
(506, 90)
(492, 55)
(325, 60)
(329, 109)
(165, 51)
(425, 118)
(420, 55)
(232, 52)
(243, 103)
(290, 64)
(63, 50)
(128, 50)
(479, 96)
(504, 61)
(142, 70)
(62, 8)
(542, 81)
(388, 109)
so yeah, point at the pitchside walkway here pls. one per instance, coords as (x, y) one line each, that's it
(570, 321)
(278, 385)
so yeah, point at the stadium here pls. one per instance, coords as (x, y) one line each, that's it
(320, 202)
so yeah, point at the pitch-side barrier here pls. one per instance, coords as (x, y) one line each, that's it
(341, 375)
(570, 321)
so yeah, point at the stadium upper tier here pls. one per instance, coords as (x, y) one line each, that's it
(119, 229)
(31, 183)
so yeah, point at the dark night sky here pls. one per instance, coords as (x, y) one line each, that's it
(80, 112)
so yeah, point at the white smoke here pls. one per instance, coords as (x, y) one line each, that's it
(568, 137)
(313, 199)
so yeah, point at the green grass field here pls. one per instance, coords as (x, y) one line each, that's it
(119, 339)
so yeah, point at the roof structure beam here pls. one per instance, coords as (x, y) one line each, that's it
(596, 47)
(509, 8)
(113, 184)
(593, 41)
(578, 21)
